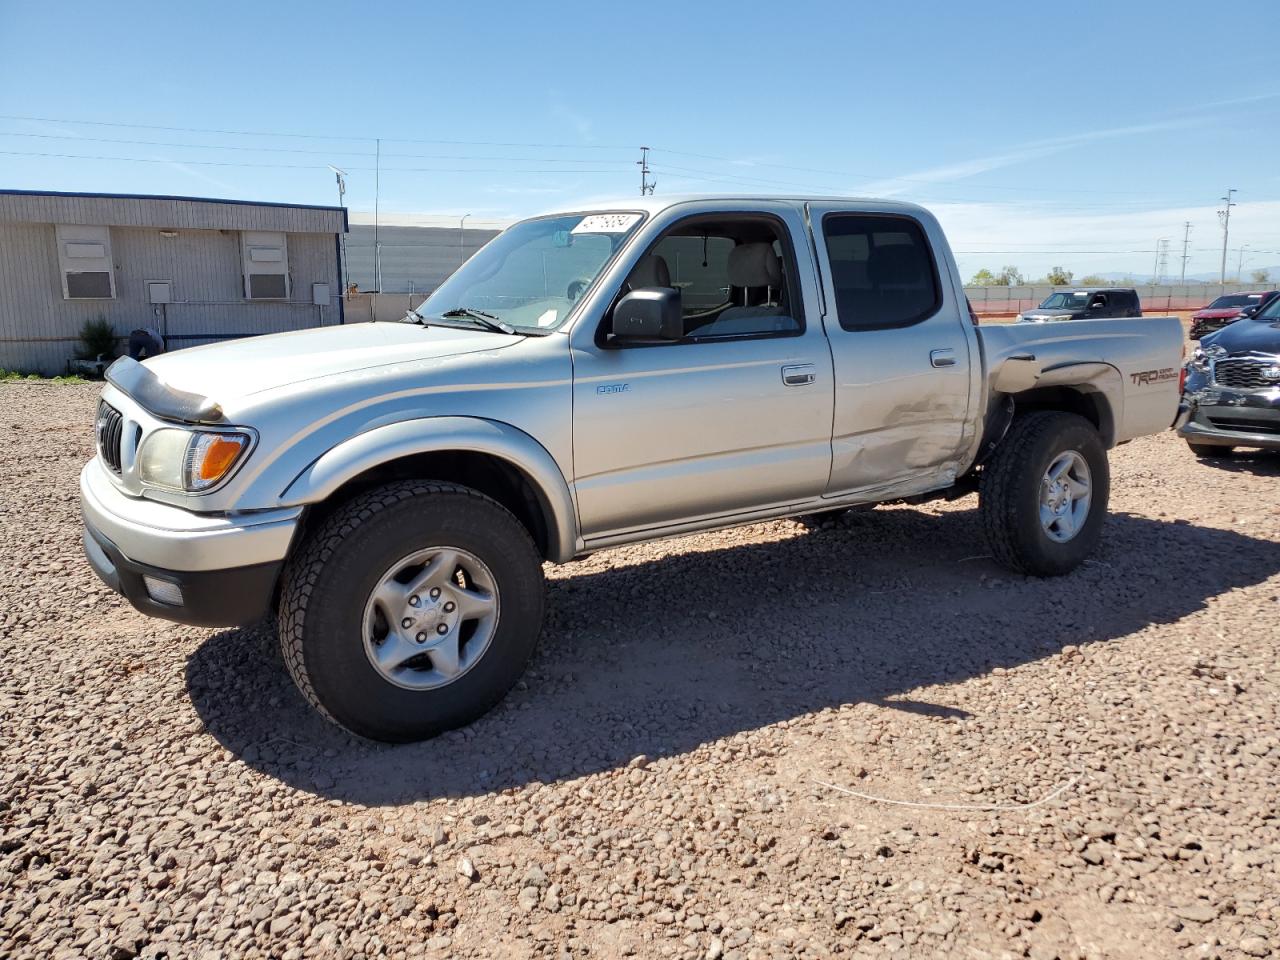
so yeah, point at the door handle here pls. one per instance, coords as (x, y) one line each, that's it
(942, 358)
(800, 374)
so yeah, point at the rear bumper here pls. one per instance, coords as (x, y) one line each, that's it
(205, 569)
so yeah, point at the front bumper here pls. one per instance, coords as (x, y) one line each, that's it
(1219, 416)
(206, 569)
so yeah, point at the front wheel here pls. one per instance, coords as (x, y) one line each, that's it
(411, 610)
(1043, 497)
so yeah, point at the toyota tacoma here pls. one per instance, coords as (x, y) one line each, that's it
(616, 373)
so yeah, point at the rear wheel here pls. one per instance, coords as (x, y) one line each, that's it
(1208, 451)
(1043, 497)
(411, 610)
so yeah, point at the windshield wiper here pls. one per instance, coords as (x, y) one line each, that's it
(486, 320)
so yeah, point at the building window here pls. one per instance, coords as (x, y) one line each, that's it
(84, 260)
(266, 265)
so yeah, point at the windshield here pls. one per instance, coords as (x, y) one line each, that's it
(531, 275)
(1270, 312)
(1066, 301)
(1235, 300)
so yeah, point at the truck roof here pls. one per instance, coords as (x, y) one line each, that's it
(655, 204)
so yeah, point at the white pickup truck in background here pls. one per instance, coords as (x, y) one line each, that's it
(610, 374)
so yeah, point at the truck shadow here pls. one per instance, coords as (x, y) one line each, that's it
(1261, 463)
(661, 656)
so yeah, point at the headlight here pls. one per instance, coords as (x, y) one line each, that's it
(189, 460)
(1019, 318)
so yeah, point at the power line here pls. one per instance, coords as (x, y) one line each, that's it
(294, 150)
(310, 136)
(943, 183)
(295, 166)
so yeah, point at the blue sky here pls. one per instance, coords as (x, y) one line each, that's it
(1077, 138)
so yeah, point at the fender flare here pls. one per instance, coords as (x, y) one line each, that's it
(352, 457)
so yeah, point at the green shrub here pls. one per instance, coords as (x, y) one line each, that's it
(98, 339)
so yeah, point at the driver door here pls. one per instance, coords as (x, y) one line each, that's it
(707, 426)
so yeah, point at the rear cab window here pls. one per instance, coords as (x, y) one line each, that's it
(883, 271)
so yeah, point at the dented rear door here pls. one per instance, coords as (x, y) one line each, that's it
(902, 347)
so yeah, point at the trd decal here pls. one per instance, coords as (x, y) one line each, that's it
(1148, 377)
(613, 388)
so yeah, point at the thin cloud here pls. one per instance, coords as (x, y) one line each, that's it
(1021, 153)
(580, 123)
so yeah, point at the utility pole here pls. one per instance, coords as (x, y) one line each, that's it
(1240, 264)
(340, 176)
(646, 187)
(1186, 245)
(377, 197)
(1162, 246)
(1225, 215)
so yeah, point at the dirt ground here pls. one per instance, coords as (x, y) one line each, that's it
(865, 740)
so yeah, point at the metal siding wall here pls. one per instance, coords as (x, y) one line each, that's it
(204, 266)
(423, 256)
(167, 212)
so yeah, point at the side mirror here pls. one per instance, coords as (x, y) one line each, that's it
(651, 313)
(1248, 311)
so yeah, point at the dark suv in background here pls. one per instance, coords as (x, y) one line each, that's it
(1227, 309)
(1089, 303)
(1232, 389)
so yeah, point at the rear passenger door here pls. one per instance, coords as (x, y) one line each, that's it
(901, 343)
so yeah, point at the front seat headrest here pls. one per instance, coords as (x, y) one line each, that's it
(651, 271)
(754, 265)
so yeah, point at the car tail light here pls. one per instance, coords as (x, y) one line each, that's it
(973, 316)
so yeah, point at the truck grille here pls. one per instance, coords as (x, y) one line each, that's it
(1247, 373)
(110, 429)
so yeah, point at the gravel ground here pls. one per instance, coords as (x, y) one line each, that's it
(670, 779)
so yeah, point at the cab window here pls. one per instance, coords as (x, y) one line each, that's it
(882, 271)
(735, 274)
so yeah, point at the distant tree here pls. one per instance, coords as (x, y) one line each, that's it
(1058, 277)
(1261, 276)
(1093, 280)
(1009, 277)
(983, 278)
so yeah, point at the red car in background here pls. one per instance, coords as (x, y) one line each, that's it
(1228, 308)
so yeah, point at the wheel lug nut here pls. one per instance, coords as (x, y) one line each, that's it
(406, 623)
(421, 638)
(435, 593)
(442, 629)
(415, 600)
(450, 606)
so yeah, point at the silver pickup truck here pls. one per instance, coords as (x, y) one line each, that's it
(618, 373)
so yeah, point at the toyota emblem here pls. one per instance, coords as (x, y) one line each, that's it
(1272, 372)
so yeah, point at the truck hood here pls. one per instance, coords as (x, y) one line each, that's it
(238, 368)
(1218, 313)
(1247, 336)
(1042, 313)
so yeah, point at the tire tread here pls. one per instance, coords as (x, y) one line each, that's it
(304, 567)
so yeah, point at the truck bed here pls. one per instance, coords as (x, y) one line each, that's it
(1136, 364)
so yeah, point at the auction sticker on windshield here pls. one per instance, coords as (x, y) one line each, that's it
(607, 223)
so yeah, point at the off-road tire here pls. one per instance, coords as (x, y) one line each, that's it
(327, 583)
(1009, 494)
(1210, 451)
